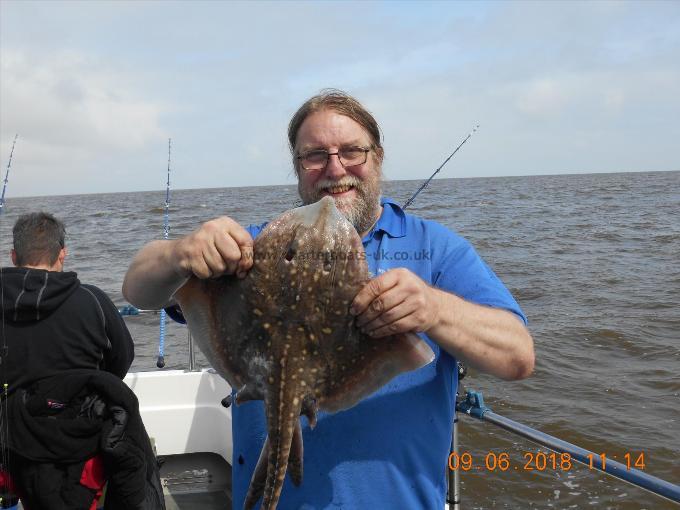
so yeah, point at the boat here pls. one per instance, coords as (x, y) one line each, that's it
(187, 415)
(190, 431)
(189, 423)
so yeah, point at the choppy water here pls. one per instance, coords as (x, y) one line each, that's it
(594, 260)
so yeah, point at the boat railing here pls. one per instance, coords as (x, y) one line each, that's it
(473, 405)
(131, 311)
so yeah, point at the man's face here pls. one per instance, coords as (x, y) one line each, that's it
(355, 189)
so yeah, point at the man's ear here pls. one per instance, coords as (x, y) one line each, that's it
(13, 254)
(61, 257)
(380, 154)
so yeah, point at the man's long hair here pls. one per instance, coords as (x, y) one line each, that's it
(38, 239)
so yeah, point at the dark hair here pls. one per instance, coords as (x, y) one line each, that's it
(342, 103)
(38, 238)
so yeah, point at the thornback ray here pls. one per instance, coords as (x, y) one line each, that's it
(284, 334)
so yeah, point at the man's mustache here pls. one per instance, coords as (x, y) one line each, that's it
(325, 184)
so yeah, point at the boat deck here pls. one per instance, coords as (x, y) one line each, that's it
(196, 481)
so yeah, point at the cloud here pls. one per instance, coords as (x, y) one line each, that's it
(94, 89)
(65, 99)
(70, 110)
(546, 96)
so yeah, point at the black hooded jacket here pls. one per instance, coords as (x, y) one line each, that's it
(58, 423)
(51, 323)
(59, 338)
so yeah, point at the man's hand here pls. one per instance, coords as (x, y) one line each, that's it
(490, 339)
(217, 247)
(395, 302)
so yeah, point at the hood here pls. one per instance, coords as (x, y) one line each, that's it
(32, 294)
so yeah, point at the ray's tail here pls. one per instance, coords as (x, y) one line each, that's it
(282, 449)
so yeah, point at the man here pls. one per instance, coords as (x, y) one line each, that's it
(390, 450)
(65, 350)
(53, 323)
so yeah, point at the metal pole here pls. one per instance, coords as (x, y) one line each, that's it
(192, 358)
(129, 310)
(453, 495)
(473, 405)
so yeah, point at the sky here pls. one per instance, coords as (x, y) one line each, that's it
(94, 89)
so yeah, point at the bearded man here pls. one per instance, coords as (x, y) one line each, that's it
(390, 450)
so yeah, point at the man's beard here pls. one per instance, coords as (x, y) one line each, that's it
(361, 210)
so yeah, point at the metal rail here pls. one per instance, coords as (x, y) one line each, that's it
(132, 311)
(453, 494)
(129, 310)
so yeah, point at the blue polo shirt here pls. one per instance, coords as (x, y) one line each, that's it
(390, 450)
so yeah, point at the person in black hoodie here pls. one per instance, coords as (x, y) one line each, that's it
(54, 323)
(59, 339)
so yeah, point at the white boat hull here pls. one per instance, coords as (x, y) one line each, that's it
(182, 411)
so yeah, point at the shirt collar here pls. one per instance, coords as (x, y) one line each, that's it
(392, 221)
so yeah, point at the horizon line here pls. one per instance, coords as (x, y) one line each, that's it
(159, 190)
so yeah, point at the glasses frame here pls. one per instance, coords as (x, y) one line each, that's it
(300, 157)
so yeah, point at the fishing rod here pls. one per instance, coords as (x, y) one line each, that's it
(5, 495)
(424, 185)
(160, 363)
(9, 165)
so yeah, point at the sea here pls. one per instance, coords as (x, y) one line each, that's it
(594, 261)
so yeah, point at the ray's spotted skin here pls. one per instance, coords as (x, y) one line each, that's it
(284, 334)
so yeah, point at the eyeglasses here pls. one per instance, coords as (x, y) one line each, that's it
(348, 156)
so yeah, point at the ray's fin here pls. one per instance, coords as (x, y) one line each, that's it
(200, 301)
(387, 359)
(309, 409)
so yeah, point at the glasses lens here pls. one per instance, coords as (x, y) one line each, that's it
(353, 156)
(314, 160)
